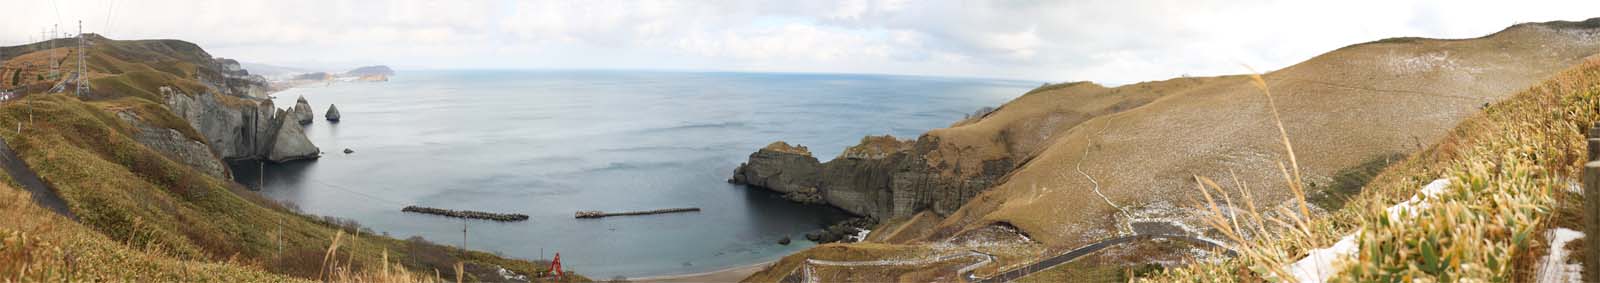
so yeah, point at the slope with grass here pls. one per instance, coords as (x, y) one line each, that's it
(129, 192)
(1348, 112)
(1511, 170)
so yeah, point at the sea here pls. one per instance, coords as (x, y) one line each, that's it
(548, 143)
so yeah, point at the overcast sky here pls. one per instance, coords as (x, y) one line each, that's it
(1111, 42)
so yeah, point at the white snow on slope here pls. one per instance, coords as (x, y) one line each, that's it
(1321, 264)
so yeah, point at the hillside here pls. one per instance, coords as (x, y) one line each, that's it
(1512, 170)
(137, 160)
(1070, 164)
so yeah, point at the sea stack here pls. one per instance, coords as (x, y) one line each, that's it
(302, 111)
(333, 113)
(290, 143)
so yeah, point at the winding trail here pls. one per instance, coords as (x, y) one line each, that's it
(42, 193)
(1089, 144)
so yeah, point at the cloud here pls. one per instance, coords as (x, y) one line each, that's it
(1105, 41)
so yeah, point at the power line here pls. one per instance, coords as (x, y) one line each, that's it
(365, 195)
(109, 7)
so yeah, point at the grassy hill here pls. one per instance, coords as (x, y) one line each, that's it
(140, 203)
(1099, 162)
(1509, 166)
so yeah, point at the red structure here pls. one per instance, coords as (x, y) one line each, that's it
(555, 266)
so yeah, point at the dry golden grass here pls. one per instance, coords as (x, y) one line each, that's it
(780, 146)
(877, 147)
(1503, 165)
(37, 245)
(1346, 108)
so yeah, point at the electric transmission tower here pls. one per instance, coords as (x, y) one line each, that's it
(82, 76)
(49, 36)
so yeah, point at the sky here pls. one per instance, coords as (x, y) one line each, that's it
(1109, 42)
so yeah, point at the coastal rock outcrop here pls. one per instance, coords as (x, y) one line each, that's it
(290, 143)
(302, 111)
(882, 177)
(236, 128)
(781, 168)
(241, 127)
(175, 146)
(333, 113)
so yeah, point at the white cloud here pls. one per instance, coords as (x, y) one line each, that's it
(1105, 41)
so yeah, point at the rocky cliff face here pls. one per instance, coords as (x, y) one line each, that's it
(176, 146)
(882, 177)
(241, 128)
(238, 81)
(230, 129)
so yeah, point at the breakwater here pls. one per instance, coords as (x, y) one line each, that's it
(599, 214)
(466, 214)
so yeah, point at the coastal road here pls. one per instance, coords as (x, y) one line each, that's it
(803, 274)
(1074, 254)
(42, 193)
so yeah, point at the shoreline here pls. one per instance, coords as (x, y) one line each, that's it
(731, 274)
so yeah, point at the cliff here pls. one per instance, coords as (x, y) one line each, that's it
(882, 177)
(242, 128)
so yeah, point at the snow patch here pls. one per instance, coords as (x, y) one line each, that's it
(512, 275)
(861, 235)
(1554, 268)
(1418, 202)
(1319, 265)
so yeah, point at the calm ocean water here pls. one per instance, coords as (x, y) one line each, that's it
(549, 143)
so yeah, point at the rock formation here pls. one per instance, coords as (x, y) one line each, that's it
(302, 111)
(236, 128)
(291, 143)
(239, 127)
(237, 80)
(175, 146)
(882, 177)
(333, 113)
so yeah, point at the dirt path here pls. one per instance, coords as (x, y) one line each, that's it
(42, 194)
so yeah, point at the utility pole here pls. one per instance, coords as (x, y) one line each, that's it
(463, 239)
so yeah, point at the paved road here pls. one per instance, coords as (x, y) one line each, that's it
(1065, 258)
(42, 193)
(803, 274)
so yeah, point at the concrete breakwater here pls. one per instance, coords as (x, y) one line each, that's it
(599, 214)
(466, 213)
